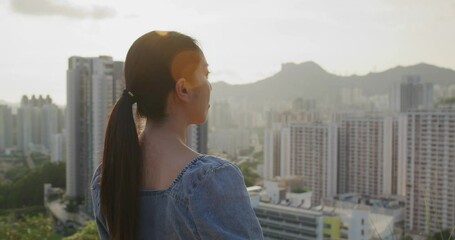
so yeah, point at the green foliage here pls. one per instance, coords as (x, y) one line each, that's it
(88, 232)
(249, 174)
(27, 190)
(259, 156)
(27, 228)
(246, 151)
(33, 210)
(450, 100)
(251, 164)
(39, 226)
(39, 158)
(248, 169)
(448, 234)
(16, 172)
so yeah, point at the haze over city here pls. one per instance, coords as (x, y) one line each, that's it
(243, 42)
(339, 115)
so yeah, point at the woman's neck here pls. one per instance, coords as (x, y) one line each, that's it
(163, 138)
(164, 154)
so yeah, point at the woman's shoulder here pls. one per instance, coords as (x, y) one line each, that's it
(209, 164)
(207, 168)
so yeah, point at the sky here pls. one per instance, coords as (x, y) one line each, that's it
(244, 41)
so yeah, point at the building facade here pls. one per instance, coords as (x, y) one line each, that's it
(272, 153)
(411, 94)
(427, 148)
(6, 128)
(197, 137)
(93, 86)
(281, 222)
(310, 150)
(37, 122)
(367, 155)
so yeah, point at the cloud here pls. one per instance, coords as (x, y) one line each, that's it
(60, 8)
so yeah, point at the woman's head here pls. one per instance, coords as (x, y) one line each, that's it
(165, 68)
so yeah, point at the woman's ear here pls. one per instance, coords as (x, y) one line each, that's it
(181, 89)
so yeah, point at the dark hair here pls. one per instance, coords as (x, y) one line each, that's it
(153, 63)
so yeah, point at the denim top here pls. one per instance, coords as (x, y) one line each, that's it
(207, 200)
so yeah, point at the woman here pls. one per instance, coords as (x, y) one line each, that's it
(153, 186)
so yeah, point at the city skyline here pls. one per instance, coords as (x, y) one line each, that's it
(345, 38)
(397, 159)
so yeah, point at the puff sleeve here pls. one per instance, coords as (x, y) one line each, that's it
(221, 208)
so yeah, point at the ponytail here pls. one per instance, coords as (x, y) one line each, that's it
(120, 171)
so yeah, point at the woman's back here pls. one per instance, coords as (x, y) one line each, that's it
(207, 200)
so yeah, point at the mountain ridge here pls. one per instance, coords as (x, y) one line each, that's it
(310, 80)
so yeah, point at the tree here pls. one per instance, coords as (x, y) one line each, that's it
(448, 234)
(249, 175)
(28, 189)
(299, 190)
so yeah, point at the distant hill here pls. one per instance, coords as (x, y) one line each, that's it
(309, 80)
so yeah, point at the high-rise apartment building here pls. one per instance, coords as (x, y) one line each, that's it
(272, 153)
(411, 94)
(49, 124)
(37, 122)
(197, 136)
(427, 154)
(367, 157)
(24, 125)
(57, 147)
(6, 128)
(310, 150)
(93, 86)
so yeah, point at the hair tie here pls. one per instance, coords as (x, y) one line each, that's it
(130, 96)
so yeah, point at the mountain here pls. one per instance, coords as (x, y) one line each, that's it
(309, 80)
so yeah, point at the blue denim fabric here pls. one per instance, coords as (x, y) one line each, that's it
(207, 200)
